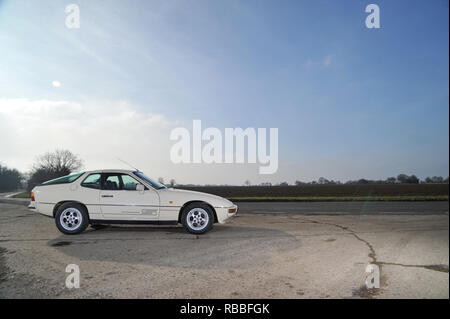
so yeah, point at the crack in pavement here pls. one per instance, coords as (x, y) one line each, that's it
(363, 291)
(372, 254)
(440, 268)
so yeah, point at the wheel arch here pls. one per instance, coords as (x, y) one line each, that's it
(57, 205)
(197, 201)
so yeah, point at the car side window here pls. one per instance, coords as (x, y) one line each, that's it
(129, 183)
(111, 182)
(92, 181)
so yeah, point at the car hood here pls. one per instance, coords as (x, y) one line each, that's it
(179, 197)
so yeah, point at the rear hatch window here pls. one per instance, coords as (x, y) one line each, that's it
(63, 180)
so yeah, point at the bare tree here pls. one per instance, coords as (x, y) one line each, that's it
(402, 178)
(172, 182)
(435, 180)
(59, 162)
(247, 183)
(405, 179)
(391, 180)
(53, 165)
(161, 180)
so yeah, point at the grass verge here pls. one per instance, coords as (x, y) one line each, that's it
(22, 195)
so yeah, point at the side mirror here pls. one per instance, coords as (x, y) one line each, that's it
(140, 188)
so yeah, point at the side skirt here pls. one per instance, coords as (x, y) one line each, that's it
(134, 222)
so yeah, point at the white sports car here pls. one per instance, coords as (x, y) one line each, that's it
(125, 197)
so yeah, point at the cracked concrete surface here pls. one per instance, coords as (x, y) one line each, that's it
(369, 293)
(255, 256)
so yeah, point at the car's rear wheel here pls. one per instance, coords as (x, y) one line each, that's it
(71, 218)
(197, 218)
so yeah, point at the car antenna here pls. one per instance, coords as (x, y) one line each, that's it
(128, 164)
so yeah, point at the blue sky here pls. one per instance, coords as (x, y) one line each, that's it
(349, 101)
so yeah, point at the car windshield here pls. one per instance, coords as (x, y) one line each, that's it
(149, 180)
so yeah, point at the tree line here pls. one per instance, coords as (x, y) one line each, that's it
(400, 179)
(63, 162)
(10, 179)
(46, 167)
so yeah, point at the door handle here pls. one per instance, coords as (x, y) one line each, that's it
(107, 196)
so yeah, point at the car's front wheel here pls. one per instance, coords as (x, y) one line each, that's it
(71, 218)
(197, 218)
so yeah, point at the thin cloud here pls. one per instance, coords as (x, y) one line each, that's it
(98, 132)
(328, 60)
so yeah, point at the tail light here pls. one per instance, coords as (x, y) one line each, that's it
(32, 196)
(232, 210)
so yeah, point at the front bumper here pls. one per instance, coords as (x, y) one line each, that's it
(224, 214)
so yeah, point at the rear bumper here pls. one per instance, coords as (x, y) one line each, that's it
(41, 208)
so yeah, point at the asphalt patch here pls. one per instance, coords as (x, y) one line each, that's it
(61, 243)
(224, 247)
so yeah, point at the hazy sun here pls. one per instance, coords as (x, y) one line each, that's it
(56, 84)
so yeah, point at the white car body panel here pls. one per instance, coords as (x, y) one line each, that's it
(161, 205)
(129, 205)
(180, 197)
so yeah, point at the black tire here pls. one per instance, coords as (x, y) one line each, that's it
(199, 209)
(98, 226)
(79, 218)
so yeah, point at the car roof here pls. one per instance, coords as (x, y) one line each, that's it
(126, 171)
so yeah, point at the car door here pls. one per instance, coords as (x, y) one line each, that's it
(89, 194)
(119, 199)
